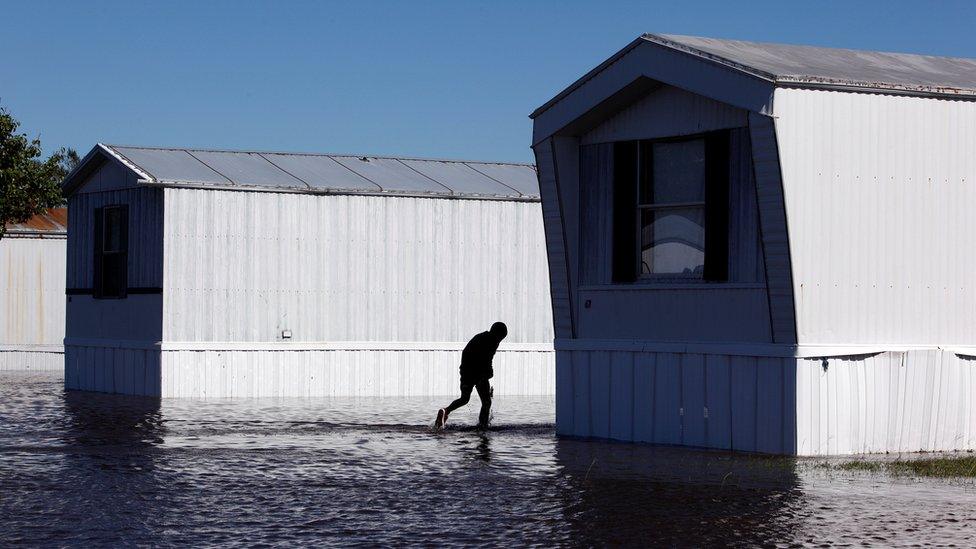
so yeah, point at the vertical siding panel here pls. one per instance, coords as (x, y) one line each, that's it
(693, 399)
(667, 399)
(565, 389)
(582, 419)
(718, 389)
(600, 373)
(643, 396)
(622, 396)
(769, 405)
(744, 405)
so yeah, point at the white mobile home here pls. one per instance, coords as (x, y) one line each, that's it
(200, 273)
(764, 247)
(32, 293)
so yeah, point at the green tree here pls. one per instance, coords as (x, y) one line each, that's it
(28, 184)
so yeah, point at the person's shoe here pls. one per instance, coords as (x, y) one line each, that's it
(441, 419)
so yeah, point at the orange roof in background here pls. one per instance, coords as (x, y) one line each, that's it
(54, 220)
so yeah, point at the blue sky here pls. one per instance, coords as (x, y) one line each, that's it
(431, 79)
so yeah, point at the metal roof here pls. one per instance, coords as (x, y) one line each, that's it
(51, 222)
(856, 68)
(817, 67)
(325, 173)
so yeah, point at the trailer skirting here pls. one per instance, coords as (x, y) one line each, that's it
(892, 401)
(192, 372)
(31, 357)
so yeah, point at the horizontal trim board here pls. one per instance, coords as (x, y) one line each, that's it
(750, 349)
(663, 286)
(32, 347)
(42, 235)
(301, 345)
(131, 291)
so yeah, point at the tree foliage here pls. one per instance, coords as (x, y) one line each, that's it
(28, 184)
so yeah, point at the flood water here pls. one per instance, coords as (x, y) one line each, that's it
(84, 469)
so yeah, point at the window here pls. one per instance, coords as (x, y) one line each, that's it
(111, 251)
(671, 209)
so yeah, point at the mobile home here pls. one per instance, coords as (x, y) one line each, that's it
(202, 273)
(764, 247)
(32, 293)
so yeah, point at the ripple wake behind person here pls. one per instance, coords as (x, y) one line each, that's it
(475, 372)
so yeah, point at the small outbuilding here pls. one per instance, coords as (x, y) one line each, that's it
(204, 273)
(764, 247)
(32, 292)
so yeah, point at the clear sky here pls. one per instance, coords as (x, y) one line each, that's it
(431, 79)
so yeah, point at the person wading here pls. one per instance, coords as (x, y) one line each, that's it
(475, 373)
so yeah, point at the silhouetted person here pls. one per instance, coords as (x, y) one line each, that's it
(475, 373)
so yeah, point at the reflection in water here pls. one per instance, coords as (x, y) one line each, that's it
(484, 448)
(622, 493)
(103, 470)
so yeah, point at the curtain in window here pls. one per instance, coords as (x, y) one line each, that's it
(596, 188)
(745, 247)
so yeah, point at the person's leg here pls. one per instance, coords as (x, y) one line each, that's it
(462, 400)
(484, 393)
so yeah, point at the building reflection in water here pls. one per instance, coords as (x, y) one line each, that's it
(631, 493)
(111, 447)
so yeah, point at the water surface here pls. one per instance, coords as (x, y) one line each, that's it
(81, 468)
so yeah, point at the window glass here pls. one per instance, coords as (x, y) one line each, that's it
(112, 241)
(672, 241)
(678, 173)
(110, 276)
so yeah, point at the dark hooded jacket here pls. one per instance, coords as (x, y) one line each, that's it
(476, 358)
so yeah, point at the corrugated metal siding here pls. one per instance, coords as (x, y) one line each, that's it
(879, 193)
(714, 401)
(211, 374)
(667, 112)
(32, 272)
(145, 264)
(772, 223)
(890, 402)
(555, 245)
(31, 361)
(112, 370)
(245, 266)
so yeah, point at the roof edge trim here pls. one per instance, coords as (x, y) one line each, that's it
(340, 155)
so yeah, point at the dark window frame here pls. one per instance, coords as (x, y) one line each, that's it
(633, 161)
(110, 276)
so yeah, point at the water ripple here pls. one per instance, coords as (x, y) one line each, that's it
(102, 470)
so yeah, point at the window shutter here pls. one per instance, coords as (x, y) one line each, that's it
(625, 211)
(717, 206)
(97, 242)
(124, 256)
